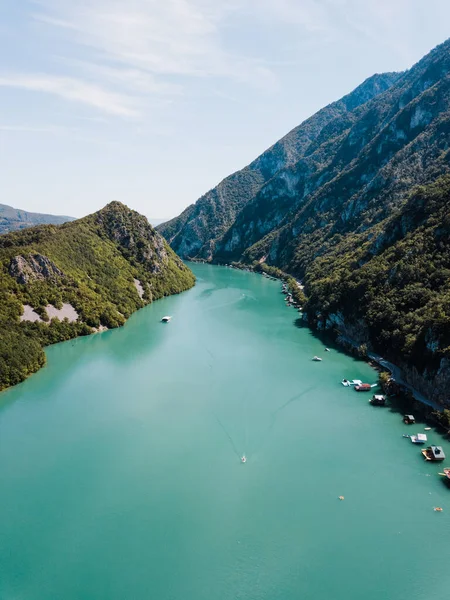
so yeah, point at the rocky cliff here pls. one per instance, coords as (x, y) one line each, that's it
(198, 232)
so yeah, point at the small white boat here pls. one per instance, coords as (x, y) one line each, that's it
(165, 319)
(348, 383)
(243, 459)
(317, 359)
(327, 350)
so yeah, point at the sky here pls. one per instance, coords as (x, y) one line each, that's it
(153, 102)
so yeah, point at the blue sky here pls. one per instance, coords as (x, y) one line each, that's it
(153, 102)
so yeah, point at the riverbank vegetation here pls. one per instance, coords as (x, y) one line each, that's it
(392, 284)
(106, 266)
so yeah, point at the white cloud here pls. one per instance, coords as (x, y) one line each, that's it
(126, 55)
(163, 38)
(73, 89)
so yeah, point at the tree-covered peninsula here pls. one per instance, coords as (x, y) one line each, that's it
(61, 281)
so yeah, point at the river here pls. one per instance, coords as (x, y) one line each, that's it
(120, 475)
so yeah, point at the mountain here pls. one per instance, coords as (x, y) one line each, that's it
(12, 219)
(196, 232)
(61, 281)
(344, 212)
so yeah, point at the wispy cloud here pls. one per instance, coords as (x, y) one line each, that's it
(123, 56)
(152, 38)
(73, 89)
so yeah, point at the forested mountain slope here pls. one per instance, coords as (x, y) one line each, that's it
(12, 219)
(389, 287)
(354, 175)
(95, 271)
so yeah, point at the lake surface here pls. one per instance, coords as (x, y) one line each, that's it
(120, 475)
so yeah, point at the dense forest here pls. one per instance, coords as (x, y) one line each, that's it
(393, 283)
(95, 264)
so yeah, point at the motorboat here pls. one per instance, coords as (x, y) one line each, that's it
(362, 387)
(317, 359)
(243, 459)
(166, 319)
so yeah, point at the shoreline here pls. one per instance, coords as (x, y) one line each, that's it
(395, 371)
(94, 331)
(343, 340)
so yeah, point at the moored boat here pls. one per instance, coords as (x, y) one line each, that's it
(363, 387)
(317, 358)
(166, 319)
(446, 473)
(409, 419)
(420, 438)
(433, 453)
(378, 400)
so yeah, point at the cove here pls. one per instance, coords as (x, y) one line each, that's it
(120, 475)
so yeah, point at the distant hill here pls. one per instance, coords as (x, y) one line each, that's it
(13, 219)
(61, 281)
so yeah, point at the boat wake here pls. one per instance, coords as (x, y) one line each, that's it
(276, 413)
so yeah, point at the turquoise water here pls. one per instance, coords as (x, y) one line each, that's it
(120, 475)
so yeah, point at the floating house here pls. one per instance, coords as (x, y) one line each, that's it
(378, 400)
(420, 438)
(409, 419)
(433, 453)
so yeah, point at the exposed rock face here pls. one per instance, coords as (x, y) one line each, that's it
(433, 385)
(139, 288)
(66, 312)
(133, 233)
(198, 231)
(340, 171)
(32, 267)
(29, 314)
